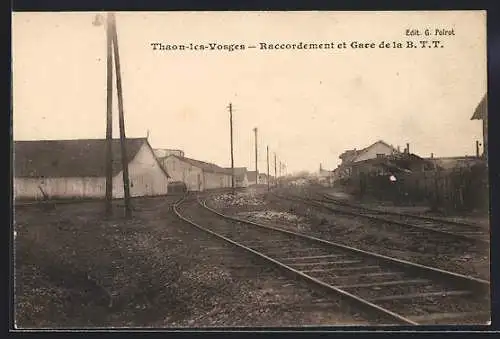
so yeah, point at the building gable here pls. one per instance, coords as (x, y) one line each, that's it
(145, 161)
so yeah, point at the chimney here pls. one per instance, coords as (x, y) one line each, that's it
(432, 155)
(399, 149)
(408, 148)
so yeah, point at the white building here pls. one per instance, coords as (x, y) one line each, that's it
(197, 175)
(351, 157)
(240, 176)
(252, 177)
(63, 169)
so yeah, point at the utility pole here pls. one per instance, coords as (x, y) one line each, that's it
(232, 155)
(281, 167)
(267, 168)
(126, 183)
(256, 166)
(275, 172)
(109, 118)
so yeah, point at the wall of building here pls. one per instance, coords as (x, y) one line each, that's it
(29, 188)
(372, 152)
(216, 180)
(145, 174)
(262, 179)
(242, 183)
(146, 179)
(182, 171)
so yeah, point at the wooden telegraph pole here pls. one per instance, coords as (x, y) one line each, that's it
(232, 155)
(275, 172)
(256, 167)
(126, 184)
(109, 118)
(267, 168)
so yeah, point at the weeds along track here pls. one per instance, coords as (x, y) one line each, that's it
(447, 227)
(391, 290)
(427, 227)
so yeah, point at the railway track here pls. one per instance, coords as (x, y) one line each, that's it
(414, 223)
(392, 290)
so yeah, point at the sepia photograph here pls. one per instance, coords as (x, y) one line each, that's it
(200, 170)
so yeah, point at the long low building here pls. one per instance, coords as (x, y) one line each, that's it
(197, 175)
(240, 176)
(61, 169)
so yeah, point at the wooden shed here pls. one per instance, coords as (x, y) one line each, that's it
(62, 169)
(197, 175)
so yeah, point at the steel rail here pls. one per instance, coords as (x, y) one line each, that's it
(480, 283)
(409, 215)
(378, 218)
(472, 283)
(330, 288)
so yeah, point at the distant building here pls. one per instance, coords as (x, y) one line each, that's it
(60, 169)
(263, 179)
(252, 177)
(379, 149)
(240, 176)
(197, 175)
(481, 113)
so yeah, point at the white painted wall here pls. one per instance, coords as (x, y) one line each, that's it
(378, 148)
(216, 180)
(145, 175)
(243, 183)
(182, 171)
(28, 188)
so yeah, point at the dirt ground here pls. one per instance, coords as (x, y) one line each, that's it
(74, 268)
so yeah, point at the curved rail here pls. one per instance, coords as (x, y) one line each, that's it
(323, 204)
(471, 282)
(329, 198)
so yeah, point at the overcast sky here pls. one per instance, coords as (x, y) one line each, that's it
(309, 105)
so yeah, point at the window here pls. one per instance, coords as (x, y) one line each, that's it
(380, 155)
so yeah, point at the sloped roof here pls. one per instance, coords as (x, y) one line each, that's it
(481, 111)
(71, 158)
(205, 166)
(351, 155)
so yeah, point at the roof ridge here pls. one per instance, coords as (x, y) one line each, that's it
(74, 157)
(85, 139)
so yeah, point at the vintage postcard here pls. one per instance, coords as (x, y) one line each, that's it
(250, 169)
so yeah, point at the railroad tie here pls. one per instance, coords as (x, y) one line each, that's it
(368, 275)
(321, 263)
(421, 295)
(337, 269)
(314, 257)
(448, 316)
(385, 283)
